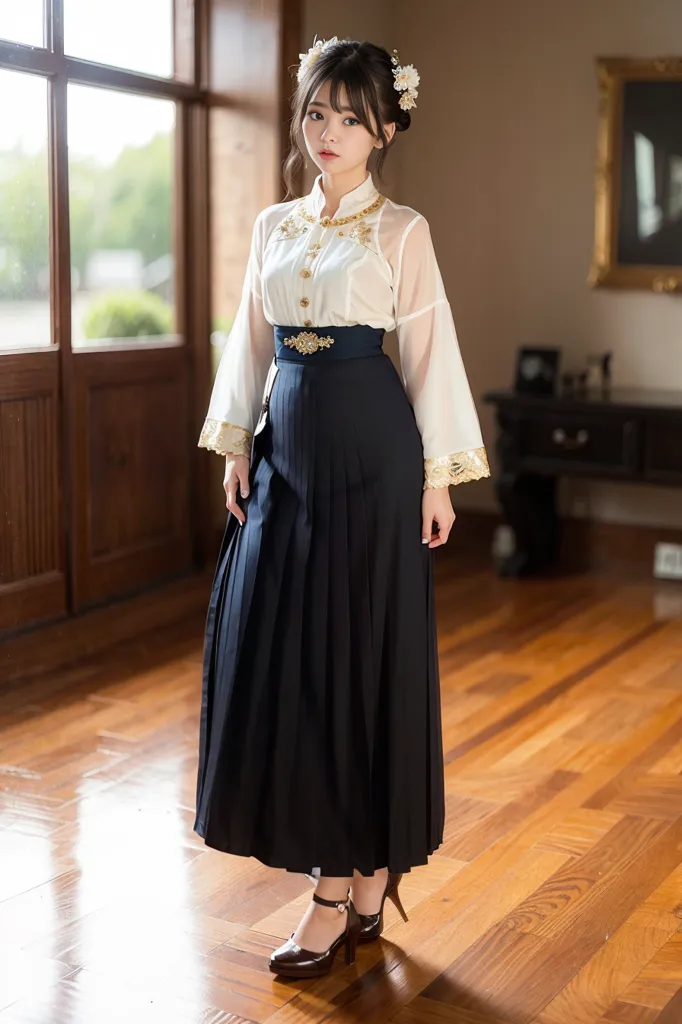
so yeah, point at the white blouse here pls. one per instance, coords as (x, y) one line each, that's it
(372, 263)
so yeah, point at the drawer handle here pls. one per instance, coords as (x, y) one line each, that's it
(559, 436)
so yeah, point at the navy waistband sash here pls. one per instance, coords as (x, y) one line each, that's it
(321, 344)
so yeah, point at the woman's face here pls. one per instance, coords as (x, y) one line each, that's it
(340, 134)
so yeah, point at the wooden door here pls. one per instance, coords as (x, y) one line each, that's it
(130, 408)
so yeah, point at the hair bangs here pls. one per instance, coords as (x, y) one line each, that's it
(361, 96)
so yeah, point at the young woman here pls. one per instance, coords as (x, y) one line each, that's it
(320, 747)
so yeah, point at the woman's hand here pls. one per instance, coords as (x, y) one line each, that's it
(236, 479)
(436, 505)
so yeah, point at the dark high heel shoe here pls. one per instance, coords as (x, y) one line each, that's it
(293, 961)
(372, 925)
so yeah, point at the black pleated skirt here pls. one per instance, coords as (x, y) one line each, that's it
(320, 733)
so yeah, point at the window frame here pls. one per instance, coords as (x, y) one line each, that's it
(59, 70)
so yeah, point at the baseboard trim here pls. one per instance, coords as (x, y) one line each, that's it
(619, 547)
(46, 647)
(626, 550)
(588, 545)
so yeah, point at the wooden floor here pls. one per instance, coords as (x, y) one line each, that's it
(556, 897)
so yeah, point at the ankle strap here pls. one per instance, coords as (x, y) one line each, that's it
(340, 905)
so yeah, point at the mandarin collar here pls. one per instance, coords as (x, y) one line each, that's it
(357, 199)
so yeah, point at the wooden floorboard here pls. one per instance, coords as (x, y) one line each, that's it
(556, 897)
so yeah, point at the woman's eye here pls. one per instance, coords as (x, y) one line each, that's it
(315, 115)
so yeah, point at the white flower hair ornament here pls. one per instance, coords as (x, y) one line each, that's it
(313, 54)
(406, 81)
(406, 76)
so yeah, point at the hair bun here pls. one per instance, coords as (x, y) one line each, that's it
(403, 120)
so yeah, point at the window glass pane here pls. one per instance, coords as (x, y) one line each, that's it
(24, 212)
(132, 34)
(22, 22)
(121, 181)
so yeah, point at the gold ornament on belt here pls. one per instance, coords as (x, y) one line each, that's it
(308, 342)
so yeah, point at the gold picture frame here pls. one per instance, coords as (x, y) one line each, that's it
(615, 170)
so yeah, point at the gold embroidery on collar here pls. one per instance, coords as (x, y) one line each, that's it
(298, 222)
(335, 222)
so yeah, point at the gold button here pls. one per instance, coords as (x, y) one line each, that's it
(305, 303)
(305, 272)
(307, 323)
(341, 234)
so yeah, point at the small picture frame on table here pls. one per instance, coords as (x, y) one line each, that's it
(537, 371)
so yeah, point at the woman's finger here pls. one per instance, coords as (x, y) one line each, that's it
(437, 540)
(427, 528)
(429, 534)
(232, 505)
(444, 528)
(244, 482)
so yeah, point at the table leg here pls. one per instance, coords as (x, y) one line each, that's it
(528, 501)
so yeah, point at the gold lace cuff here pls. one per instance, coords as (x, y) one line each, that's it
(225, 438)
(459, 468)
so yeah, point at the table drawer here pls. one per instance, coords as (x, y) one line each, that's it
(588, 442)
(663, 450)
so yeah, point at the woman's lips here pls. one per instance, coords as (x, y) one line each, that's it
(328, 155)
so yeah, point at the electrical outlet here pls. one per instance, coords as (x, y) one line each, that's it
(668, 561)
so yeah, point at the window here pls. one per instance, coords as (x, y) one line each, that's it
(24, 212)
(124, 33)
(121, 181)
(22, 22)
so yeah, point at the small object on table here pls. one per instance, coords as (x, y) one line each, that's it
(567, 383)
(581, 382)
(537, 370)
(595, 371)
(599, 371)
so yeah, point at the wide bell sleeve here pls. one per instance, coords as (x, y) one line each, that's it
(433, 372)
(239, 383)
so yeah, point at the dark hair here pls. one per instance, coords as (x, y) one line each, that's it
(366, 71)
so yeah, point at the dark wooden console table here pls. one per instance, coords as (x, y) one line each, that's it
(630, 435)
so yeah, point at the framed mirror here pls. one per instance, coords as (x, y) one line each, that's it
(638, 187)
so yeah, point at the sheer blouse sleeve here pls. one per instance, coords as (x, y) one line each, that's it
(433, 371)
(240, 381)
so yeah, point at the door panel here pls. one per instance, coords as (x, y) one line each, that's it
(131, 471)
(32, 580)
